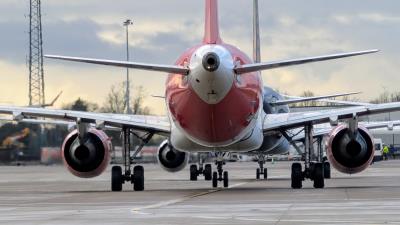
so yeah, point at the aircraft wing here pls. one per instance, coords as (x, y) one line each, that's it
(326, 99)
(155, 124)
(325, 130)
(293, 99)
(286, 121)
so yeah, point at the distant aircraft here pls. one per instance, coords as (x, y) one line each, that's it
(216, 104)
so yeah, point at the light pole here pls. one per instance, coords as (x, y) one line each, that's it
(127, 93)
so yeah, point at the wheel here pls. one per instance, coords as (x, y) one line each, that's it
(116, 178)
(226, 179)
(193, 172)
(215, 179)
(207, 172)
(327, 170)
(319, 175)
(297, 176)
(258, 174)
(138, 178)
(312, 170)
(265, 173)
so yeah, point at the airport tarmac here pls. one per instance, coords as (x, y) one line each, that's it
(50, 195)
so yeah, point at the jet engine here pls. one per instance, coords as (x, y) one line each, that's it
(88, 157)
(350, 152)
(171, 159)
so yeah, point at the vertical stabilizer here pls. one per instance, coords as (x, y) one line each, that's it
(211, 34)
(256, 33)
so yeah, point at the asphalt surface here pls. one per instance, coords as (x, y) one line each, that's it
(50, 195)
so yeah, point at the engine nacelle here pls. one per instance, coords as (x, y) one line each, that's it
(87, 158)
(171, 159)
(350, 153)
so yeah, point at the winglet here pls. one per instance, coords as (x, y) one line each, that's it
(54, 100)
(211, 33)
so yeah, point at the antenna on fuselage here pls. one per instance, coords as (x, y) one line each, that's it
(256, 33)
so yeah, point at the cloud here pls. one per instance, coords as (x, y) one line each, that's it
(374, 17)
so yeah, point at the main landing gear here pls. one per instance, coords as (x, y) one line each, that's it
(261, 170)
(136, 177)
(317, 170)
(206, 171)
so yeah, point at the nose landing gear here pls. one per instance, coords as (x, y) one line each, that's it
(261, 170)
(220, 174)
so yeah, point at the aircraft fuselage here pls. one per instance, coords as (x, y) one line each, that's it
(212, 106)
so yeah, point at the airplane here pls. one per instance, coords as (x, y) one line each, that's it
(216, 103)
(51, 104)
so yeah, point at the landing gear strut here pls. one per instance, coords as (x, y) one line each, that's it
(316, 171)
(220, 174)
(136, 177)
(261, 170)
(206, 171)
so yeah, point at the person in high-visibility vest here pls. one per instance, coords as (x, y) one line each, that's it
(385, 152)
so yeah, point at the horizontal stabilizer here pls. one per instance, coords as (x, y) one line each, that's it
(291, 62)
(307, 99)
(132, 65)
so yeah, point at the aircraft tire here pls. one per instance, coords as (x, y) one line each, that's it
(319, 175)
(207, 172)
(116, 178)
(138, 178)
(193, 172)
(265, 173)
(226, 179)
(297, 176)
(215, 179)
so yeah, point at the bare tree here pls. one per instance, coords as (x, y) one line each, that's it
(308, 103)
(384, 97)
(395, 96)
(139, 96)
(115, 101)
(81, 105)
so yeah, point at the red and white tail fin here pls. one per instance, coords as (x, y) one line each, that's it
(211, 34)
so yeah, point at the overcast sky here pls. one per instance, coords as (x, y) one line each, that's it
(164, 29)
